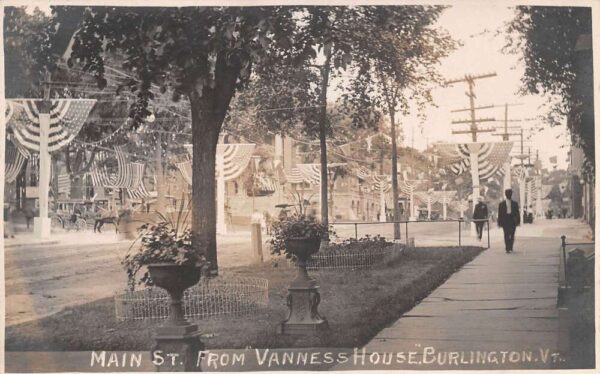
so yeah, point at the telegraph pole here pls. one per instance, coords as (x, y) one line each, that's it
(473, 129)
(506, 137)
(473, 121)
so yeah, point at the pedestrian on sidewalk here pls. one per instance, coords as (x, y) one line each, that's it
(479, 215)
(509, 218)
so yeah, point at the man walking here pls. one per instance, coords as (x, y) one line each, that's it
(479, 215)
(509, 218)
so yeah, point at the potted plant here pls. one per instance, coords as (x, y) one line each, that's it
(166, 254)
(299, 237)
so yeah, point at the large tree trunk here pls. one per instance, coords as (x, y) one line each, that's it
(205, 134)
(208, 113)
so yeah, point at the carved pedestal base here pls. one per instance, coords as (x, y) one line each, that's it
(303, 315)
(177, 348)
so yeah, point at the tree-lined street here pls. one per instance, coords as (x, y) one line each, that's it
(305, 176)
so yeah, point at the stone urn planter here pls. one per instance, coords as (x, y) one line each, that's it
(302, 249)
(177, 335)
(303, 293)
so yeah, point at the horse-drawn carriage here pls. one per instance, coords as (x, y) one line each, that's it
(75, 214)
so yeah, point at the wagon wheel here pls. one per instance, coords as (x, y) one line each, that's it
(56, 222)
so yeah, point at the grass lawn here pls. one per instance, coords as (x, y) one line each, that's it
(357, 304)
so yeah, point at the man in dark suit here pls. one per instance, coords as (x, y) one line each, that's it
(480, 214)
(509, 218)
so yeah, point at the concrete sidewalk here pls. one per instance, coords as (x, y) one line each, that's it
(498, 312)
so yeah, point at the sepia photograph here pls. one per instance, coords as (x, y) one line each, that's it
(285, 186)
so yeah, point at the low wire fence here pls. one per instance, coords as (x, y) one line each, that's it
(353, 259)
(211, 297)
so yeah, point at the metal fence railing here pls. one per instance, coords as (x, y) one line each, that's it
(577, 262)
(209, 298)
(453, 228)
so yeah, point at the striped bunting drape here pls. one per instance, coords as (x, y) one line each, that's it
(129, 174)
(66, 118)
(491, 157)
(137, 175)
(140, 192)
(362, 173)
(123, 178)
(235, 160)
(309, 173)
(427, 197)
(408, 186)
(382, 181)
(295, 176)
(14, 161)
(99, 175)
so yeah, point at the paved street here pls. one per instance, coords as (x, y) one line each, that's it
(497, 303)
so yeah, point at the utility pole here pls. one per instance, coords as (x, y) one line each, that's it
(506, 137)
(473, 147)
(473, 121)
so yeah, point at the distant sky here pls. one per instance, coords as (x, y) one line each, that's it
(477, 26)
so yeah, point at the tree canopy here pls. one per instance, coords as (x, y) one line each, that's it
(547, 37)
(207, 54)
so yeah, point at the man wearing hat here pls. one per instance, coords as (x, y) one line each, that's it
(509, 218)
(479, 215)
